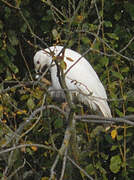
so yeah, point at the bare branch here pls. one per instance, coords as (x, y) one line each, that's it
(64, 165)
(82, 170)
(16, 170)
(25, 145)
(52, 176)
(127, 45)
(10, 5)
(101, 119)
(30, 75)
(18, 132)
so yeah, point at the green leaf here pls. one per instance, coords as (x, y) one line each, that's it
(2, 53)
(90, 169)
(124, 69)
(104, 156)
(131, 162)
(119, 137)
(117, 75)
(115, 163)
(2, 67)
(85, 40)
(30, 103)
(13, 38)
(130, 109)
(48, 16)
(7, 12)
(6, 59)
(24, 97)
(113, 36)
(8, 75)
(130, 10)
(107, 24)
(97, 131)
(104, 61)
(1, 25)
(23, 28)
(96, 45)
(108, 139)
(119, 112)
(12, 50)
(14, 68)
(58, 123)
(117, 16)
(114, 147)
(92, 27)
(55, 33)
(1, 43)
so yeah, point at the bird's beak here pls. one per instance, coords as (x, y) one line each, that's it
(37, 76)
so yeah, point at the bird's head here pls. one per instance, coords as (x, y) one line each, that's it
(42, 59)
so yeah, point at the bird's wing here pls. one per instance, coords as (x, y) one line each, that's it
(82, 77)
(79, 70)
(89, 91)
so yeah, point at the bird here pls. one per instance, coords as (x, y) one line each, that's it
(80, 78)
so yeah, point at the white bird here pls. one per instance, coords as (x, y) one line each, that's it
(81, 80)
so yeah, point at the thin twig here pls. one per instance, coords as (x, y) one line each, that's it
(64, 165)
(103, 41)
(127, 45)
(16, 170)
(25, 145)
(30, 75)
(10, 5)
(82, 170)
(52, 175)
(28, 121)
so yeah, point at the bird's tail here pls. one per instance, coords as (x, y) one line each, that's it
(105, 111)
(104, 108)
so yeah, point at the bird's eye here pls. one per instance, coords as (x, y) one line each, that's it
(38, 62)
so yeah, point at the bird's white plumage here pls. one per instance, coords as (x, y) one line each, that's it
(79, 76)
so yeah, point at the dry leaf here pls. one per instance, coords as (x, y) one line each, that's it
(34, 148)
(70, 59)
(47, 82)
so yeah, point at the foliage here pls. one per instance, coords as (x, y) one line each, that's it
(105, 28)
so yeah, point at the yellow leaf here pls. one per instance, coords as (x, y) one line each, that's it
(1, 108)
(80, 18)
(34, 148)
(2, 142)
(46, 143)
(45, 154)
(54, 58)
(44, 178)
(4, 121)
(114, 134)
(21, 112)
(63, 65)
